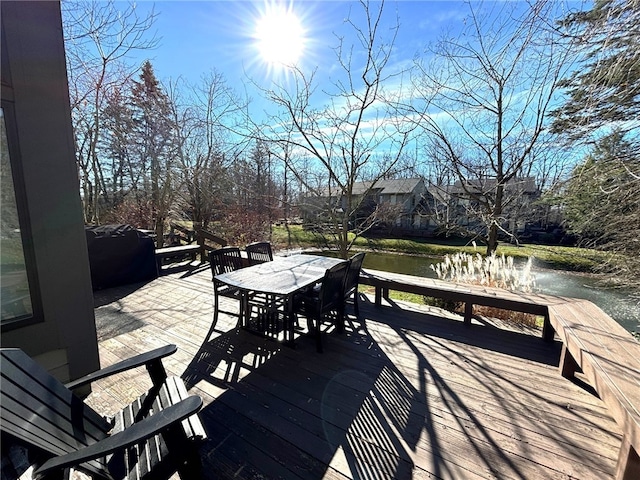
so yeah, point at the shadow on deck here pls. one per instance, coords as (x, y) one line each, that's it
(403, 393)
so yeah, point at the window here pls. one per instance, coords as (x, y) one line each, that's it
(16, 281)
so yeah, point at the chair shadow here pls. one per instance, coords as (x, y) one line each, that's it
(378, 403)
(224, 355)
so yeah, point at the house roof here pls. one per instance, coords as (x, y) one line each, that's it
(522, 185)
(388, 187)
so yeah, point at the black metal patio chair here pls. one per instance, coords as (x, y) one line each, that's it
(259, 252)
(325, 303)
(225, 260)
(155, 436)
(352, 281)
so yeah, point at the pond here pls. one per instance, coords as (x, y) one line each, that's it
(620, 305)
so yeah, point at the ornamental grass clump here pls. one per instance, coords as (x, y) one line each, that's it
(493, 271)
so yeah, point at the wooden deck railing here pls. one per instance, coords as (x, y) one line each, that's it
(196, 243)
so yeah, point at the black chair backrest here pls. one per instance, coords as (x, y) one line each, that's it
(259, 252)
(40, 411)
(332, 287)
(353, 275)
(225, 260)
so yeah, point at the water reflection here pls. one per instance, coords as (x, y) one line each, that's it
(621, 306)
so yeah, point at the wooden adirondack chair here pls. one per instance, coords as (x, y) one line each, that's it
(152, 438)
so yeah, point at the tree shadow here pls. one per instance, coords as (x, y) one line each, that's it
(186, 268)
(435, 342)
(113, 294)
(399, 394)
(516, 341)
(112, 321)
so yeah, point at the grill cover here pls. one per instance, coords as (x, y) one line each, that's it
(120, 255)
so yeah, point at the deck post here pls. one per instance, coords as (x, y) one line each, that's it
(548, 332)
(568, 365)
(385, 293)
(468, 313)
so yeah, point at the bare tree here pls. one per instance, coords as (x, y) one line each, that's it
(203, 115)
(98, 38)
(355, 136)
(486, 95)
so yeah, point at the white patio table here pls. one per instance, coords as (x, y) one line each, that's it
(283, 277)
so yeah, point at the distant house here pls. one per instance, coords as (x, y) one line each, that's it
(466, 199)
(409, 207)
(396, 203)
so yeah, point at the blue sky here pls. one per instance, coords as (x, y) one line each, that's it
(197, 36)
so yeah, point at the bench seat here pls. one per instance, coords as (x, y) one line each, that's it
(178, 251)
(468, 294)
(609, 357)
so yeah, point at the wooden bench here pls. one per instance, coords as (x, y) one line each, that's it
(592, 342)
(179, 251)
(609, 358)
(470, 295)
(190, 249)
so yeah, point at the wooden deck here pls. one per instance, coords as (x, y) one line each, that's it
(405, 393)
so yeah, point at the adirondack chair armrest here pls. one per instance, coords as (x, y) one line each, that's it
(152, 360)
(136, 433)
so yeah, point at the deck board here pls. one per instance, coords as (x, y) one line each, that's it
(405, 393)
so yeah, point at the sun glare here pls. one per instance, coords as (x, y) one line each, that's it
(279, 36)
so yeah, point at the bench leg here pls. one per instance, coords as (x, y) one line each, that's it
(628, 467)
(568, 366)
(378, 296)
(548, 333)
(468, 313)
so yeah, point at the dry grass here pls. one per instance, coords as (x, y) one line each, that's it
(493, 271)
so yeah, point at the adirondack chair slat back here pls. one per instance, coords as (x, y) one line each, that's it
(41, 411)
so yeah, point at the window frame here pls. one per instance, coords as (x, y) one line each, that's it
(15, 160)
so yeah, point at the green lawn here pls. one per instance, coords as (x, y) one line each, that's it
(557, 257)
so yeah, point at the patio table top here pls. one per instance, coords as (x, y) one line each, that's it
(283, 276)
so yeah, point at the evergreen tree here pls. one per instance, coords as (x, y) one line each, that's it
(606, 86)
(152, 135)
(99, 36)
(602, 202)
(121, 177)
(602, 205)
